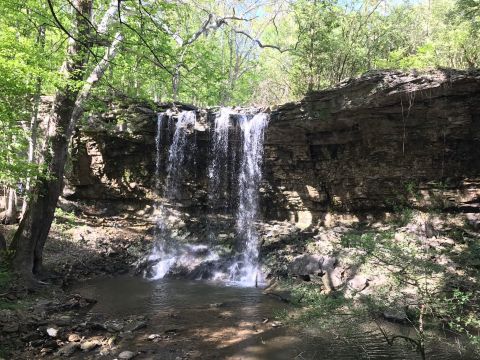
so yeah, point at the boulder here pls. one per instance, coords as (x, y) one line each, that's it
(68, 349)
(126, 355)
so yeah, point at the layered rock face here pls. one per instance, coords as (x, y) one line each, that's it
(382, 141)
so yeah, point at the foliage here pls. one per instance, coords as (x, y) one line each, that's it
(419, 284)
(64, 220)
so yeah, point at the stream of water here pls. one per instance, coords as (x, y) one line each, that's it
(206, 320)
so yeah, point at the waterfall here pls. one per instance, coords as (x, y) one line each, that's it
(160, 251)
(180, 151)
(166, 251)
(240, 158)
(246, 270)
(218, 168)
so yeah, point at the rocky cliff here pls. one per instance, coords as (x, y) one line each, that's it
(383, 141)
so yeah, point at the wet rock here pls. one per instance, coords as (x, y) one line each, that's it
(95, 325)
(114, 325)
(10, 328)
(68, 349)
(90, 344)
(52, 332)
(135, 325)
(395, 315)
(126, 355)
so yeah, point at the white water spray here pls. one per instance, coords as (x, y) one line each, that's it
(246, 270)
(166, 252)
(218, 168)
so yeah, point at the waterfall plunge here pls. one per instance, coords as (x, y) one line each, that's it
(244, 269)
(166, 252)
(160, 251)
(218, 168)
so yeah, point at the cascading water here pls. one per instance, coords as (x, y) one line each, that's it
(160, 253)
(218, 169)
(180, 150)
(246, 269)
(166, 251)
(243, 163)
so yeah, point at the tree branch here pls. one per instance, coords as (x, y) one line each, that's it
(262, 45)
(157, 60)
(94, 77)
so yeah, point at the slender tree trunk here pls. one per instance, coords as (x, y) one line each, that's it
(32, 144)
(3, 244)
(11, 211)
(176, 82)
(39, 214)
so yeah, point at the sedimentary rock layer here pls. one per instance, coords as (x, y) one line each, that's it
(384, 140)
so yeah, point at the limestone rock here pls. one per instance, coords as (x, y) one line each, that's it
(126, 355)
(352, 147)
(90, 344)
(52, 332)
(311, 264)
(68, 349)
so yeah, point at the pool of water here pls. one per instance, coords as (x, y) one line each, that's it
(216, 321)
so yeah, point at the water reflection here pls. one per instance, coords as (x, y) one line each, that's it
(214, 321)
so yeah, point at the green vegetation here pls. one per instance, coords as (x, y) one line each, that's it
(65, 220)
(433, 281)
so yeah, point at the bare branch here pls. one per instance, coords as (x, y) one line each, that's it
(108, 17)
(94, 77)
(260, 44)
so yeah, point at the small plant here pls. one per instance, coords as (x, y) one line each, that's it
(413, 190)
(64, 220)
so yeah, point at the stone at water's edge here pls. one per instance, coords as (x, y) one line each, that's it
(126, 355)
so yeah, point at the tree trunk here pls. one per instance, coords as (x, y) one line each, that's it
(30, 239)
(11, 211)
(32, 143)
(3, 244)
(39, 214)
(38, 217)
